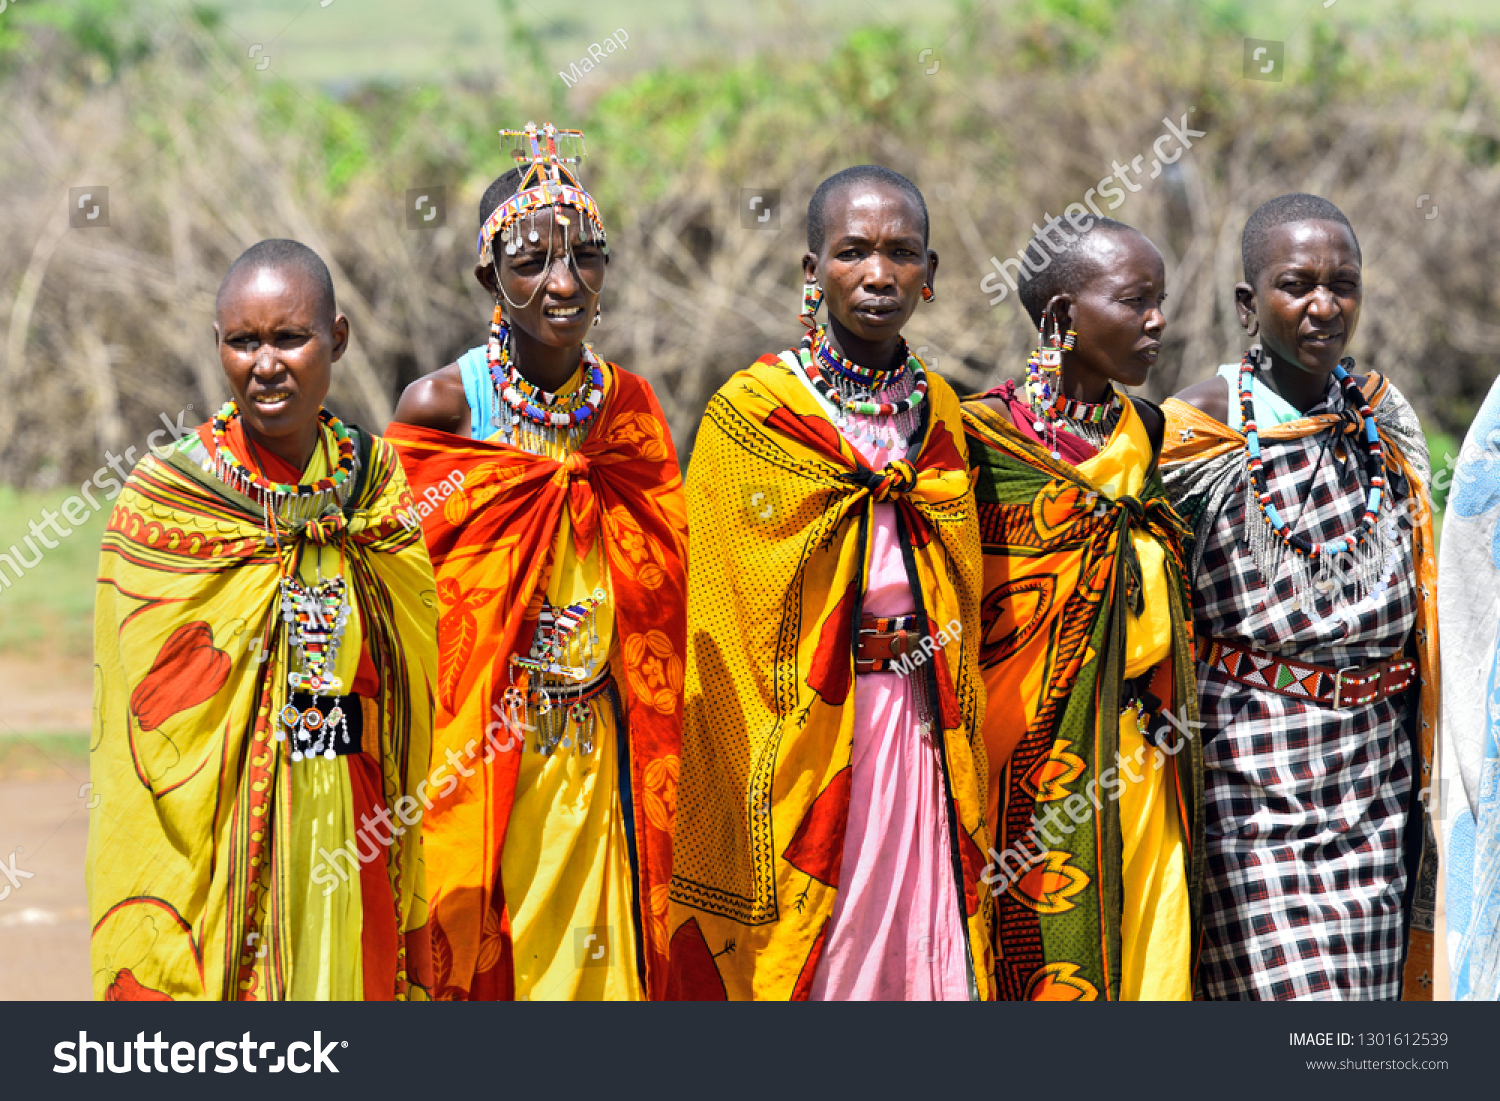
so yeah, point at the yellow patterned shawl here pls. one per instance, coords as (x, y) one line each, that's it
(190, 846)
(779, 504)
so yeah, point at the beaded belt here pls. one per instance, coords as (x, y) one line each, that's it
(550, 710)
(325, 726)
(882, 639)
(1352, 686)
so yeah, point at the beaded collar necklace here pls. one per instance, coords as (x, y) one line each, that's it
(859, 398)
(1091, 421)
(1374, 464)
(850, 399)
(282, 501)
(534, 419)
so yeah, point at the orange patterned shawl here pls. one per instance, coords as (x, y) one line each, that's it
(490, 532)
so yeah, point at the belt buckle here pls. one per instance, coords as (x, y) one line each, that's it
(1338, 684)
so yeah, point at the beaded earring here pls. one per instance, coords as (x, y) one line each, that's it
(928, 294)
(812, 298)
(598, 312)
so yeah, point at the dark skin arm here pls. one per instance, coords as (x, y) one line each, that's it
(436, 401)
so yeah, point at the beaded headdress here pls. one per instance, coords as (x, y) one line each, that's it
(545, 181)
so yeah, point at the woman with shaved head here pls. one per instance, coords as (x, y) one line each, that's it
(1087, 659)
(830, 826)
(1313, 582)
(265, 662)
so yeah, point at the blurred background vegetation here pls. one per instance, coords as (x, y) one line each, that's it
(215, 127)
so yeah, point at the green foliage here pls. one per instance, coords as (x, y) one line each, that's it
(51, 604)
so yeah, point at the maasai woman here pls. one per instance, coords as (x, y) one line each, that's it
(1313, 583)
(550, 495)
(1096, 780)
(830, 830)
(265, 665)
(1469, 612)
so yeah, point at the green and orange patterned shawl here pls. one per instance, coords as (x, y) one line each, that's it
(1058, 568)
(190, 846)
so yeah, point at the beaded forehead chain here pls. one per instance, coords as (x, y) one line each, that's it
(546, 181)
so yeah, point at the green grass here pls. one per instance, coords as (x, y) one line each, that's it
(52, 605)
(44, 753)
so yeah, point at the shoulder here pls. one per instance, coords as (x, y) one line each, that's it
(1211, 397)
(995, 405)
(1154, 420)
(436, 401)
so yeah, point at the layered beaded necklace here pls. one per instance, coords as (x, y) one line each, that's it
(533, 419)
(283, 503)
(316, 614)
(1316, 567)
(863, 392)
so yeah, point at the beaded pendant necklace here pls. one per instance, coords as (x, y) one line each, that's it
(856, 391)
(533, 419)
(317, 613)
(564, 648)
(1316, 567)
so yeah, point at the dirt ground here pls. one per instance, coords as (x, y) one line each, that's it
(44, 928)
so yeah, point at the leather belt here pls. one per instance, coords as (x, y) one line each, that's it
(883, 639)
(1352, 686)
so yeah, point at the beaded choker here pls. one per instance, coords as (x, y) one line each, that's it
(858, 398)
(1321, 566)
(871, 378)
(282, 501)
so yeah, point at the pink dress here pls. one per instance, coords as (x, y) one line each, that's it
(897, 932)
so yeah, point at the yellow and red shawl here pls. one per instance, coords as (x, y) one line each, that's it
(493, 518)
(780, 506)
(190, 839)
(1199, 462)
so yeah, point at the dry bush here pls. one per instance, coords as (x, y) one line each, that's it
(106, 329)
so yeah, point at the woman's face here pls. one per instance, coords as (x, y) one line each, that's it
(874, 261)
(1307, 296)
(278, 340)
(1117, 313)
(556, 300)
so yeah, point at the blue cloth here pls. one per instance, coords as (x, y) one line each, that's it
(1270, 407)
(479, 391)
(1469, 609)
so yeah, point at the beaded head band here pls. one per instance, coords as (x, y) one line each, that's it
(545, 181)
